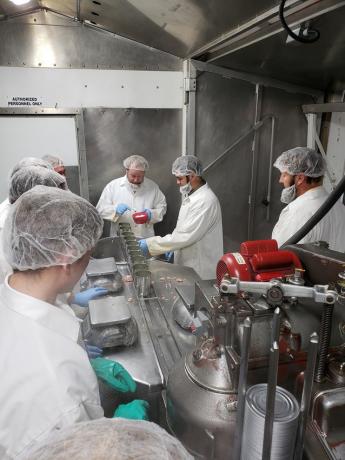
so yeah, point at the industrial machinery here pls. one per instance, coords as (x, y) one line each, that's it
(203, 391)
(196, 378)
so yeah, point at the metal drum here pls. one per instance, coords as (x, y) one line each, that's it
(284, 427)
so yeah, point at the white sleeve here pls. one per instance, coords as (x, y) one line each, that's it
(200, 220)
(159, 207)
(105, 205)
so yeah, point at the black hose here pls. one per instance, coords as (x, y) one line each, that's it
(312, 34)
(320, 213)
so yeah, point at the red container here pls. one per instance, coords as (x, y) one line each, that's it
(140, 217)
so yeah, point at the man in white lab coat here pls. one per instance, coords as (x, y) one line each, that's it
(197, 240)
(302, 171)
(134, 192)
(47, 381)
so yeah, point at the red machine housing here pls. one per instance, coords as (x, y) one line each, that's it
(259, 260)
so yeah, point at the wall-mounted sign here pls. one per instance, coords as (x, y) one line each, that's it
(20, 101)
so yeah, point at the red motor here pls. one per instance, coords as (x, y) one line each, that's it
(259, 260)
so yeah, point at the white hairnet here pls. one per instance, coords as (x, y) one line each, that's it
(53, 161)
(30, 161)
(301, 160)
(185, 165)
(26, 178)
(111, 439)
(48, 226)
(136, 162)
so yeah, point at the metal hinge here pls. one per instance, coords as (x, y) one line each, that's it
(190, 84)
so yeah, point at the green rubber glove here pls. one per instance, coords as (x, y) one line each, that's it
(114, 375)
(135, 410)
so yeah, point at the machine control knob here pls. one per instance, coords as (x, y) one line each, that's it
(274, 296)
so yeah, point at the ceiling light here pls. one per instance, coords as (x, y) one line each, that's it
(20, 2)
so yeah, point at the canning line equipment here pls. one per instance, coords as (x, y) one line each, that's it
(249, 365)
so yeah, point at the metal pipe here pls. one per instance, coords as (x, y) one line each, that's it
(242, 387)
(312, 132)
(254, 165)
(270, 400)
(77, 7)
(276, 326)
(306, 395)
(270, 168)
(238, 141)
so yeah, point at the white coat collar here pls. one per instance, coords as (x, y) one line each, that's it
(192, 196)
(124, 183)
(59, 318)
(315, 192)
(312, 194)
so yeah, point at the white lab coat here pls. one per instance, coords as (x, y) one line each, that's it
(47, 382)
(197, 240)
(331, 228)
(148, 195)
(5, 268)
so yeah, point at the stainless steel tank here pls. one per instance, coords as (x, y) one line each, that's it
(201, 402)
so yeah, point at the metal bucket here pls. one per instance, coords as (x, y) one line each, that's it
(142, 281)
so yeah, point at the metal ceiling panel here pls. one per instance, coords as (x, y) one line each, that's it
(44, 39)
(319, 65)
(176, 26)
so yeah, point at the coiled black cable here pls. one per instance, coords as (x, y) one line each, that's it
(312, 34)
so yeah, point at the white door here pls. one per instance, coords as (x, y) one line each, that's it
(23, 136)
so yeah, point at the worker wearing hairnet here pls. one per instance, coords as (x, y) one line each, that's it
(197, 240)
(23, 163)
(134, 192)
(47, 381)
(56, 163)
(23, 179)
(301, 173)
(107, 439)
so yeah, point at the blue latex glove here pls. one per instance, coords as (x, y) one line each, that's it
(135, 410)
(144, 248)
(169, 256)
(122, 208)
(93, 351)
(149, 213)
(83, 298)
(114, 375)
